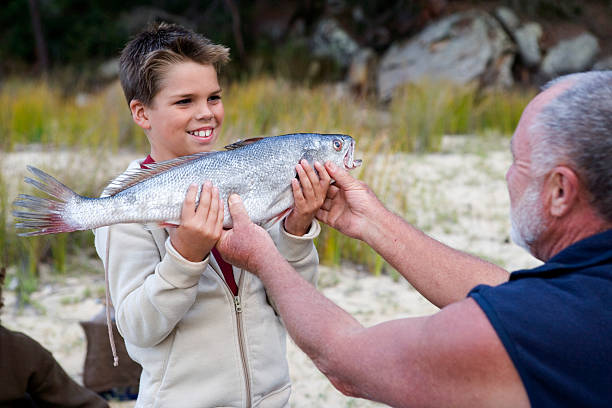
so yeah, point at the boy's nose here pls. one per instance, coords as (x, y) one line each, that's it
(204, 113)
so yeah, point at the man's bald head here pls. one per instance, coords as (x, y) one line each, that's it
(572, 126)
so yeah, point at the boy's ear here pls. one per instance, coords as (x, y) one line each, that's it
(139, 114)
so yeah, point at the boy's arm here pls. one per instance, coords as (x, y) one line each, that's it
(150, 294)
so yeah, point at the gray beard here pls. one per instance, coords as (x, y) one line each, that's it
(527, 223)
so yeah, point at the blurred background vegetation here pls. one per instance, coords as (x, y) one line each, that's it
(56, 92)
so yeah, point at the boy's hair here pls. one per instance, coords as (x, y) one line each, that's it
(148, 56)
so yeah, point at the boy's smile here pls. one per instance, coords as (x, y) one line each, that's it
(186, 114)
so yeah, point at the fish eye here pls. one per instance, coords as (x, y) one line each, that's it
(337, 145)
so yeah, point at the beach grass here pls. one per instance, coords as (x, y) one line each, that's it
(39, 113)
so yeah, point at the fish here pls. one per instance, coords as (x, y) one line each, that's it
(260, 170)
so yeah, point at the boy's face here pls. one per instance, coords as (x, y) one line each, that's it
(186, 114)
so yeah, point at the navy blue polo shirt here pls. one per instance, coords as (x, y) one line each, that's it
(555, 322)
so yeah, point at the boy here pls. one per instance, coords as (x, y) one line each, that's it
(203, 331)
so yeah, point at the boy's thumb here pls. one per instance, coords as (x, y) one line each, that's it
(237, 210)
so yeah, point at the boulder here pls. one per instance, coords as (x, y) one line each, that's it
(461, 48)
(507, 18)
(527, 38)
(573, 55)
(361, 75)
(603, 64)
(330, 40)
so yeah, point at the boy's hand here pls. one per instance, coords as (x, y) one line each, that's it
(309, 194)
(200, 227)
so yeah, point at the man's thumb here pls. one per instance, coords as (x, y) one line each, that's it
(236, 209)
(341, 176)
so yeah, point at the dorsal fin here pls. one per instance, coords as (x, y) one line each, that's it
(242, 143)
(135, 176)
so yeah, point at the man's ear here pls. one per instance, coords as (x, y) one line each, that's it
(139, 114)
(563, 188)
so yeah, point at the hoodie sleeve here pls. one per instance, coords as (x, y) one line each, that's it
(150, 293)
(299, 251)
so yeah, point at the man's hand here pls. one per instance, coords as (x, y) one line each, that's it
(308, 194)
(349, 204)
(246, 245)
(200, 227)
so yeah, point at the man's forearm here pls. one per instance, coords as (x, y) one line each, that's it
(315, 323)
(440, 273)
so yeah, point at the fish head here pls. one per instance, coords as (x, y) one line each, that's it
(337, 148)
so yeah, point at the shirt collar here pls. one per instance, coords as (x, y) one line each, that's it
(590, 251)
(147, 160)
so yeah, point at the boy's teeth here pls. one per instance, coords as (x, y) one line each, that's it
(202, 133)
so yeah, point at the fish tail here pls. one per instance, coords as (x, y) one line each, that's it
(46, 215)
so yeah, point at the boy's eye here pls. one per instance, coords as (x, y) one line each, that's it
(214, 98)
(183, 101)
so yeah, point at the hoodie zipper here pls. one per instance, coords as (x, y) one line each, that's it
(239, 326)
(245, 366)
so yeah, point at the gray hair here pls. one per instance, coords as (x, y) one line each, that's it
(575, 129)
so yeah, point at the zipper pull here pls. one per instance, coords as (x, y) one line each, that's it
(237, 304)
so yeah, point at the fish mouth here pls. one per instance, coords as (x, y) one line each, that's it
(349, 162)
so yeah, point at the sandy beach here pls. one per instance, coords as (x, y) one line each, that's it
(458, 196)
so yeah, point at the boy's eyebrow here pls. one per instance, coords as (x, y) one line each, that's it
(189, 94)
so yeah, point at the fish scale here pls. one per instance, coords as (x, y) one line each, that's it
(259, 170)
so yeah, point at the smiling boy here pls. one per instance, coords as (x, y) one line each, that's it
(202, 330)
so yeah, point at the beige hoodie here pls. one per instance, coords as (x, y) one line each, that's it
(199, 346)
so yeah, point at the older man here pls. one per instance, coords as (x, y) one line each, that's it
(540, 337)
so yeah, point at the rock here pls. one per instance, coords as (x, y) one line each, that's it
(507, 18)
(573, 55)
(329, 40)
(361, 75)
(527, 39)
(461, 48)
(109, 69)
(603, 64)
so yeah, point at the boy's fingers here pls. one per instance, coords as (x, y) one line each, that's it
(205, 199)
(220, 214)
(237, 210)
(297, 191)
(312, 175)
(214, 205)
(189, 202)
(323, 174)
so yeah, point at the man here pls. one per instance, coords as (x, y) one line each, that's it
(541, 337)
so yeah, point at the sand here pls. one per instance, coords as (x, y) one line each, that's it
(458, 196)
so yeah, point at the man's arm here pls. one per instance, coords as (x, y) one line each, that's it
(453, 358)
(440, 273)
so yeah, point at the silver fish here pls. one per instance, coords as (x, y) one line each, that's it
(259, 170)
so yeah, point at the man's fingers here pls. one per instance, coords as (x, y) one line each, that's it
(237, 210)
(341, 176)
(332, 192)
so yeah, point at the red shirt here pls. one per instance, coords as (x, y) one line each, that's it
(228, 272)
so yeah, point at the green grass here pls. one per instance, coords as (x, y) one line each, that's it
(418, 117)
